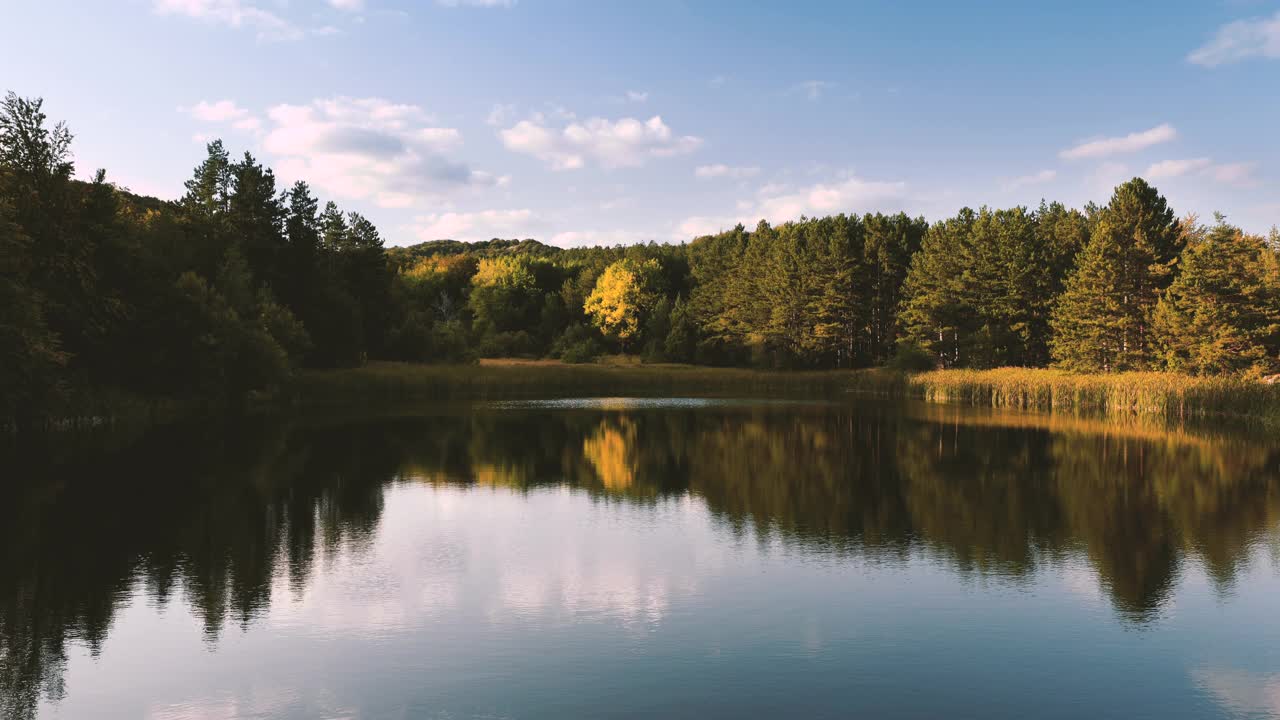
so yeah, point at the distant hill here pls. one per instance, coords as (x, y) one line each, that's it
(482, 248)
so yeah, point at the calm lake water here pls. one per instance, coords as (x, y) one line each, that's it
(644, 558)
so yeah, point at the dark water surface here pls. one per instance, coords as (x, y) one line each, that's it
(612, 558)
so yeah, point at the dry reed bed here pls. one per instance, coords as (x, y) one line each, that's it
(1144, 394)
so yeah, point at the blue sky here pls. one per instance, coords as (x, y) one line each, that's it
(603, 122)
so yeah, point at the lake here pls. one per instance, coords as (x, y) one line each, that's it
(644, 558)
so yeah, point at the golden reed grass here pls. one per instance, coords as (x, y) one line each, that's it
(1143, 394)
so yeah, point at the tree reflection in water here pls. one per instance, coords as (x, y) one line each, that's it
(220, 512)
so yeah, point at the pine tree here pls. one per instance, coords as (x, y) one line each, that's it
(682, 340)
(1101, 322)
(656, 330)
(209, 189)
(369, 279)
(891, 243)
(712, 261)
(256, 218)
(934, 314)
(1222, 313)
(838, 294)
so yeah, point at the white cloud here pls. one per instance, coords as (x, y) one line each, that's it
(720, 170)
(813, 89)
(700, 225)
(224, 112)
(476, 3)
(637, 96)
(500, 115)
(625, 143)
(472, 226)
(779, 204)
(358, 148)
(1106, 177)
(232, 13)
(1256, 37)
(852, 194)
(1176, 168)
(1133, 142)
(1039, 178)
(1239, 174)
(348, 5)
(581, 238)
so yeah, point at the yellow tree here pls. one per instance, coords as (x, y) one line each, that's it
(621, 297)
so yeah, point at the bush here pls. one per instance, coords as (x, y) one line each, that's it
(411, 340)
(505, 344)
(909, 357)
(583, 352)
(578, 344)
(449, 342)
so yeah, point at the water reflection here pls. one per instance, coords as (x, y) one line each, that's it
(231, 518)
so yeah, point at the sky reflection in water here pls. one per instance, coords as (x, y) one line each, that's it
(640, 558)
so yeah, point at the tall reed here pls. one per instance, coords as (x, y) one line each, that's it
(1149, 394)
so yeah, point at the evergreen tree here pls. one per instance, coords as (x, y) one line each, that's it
(891, 243)
(682, 339)
(368, 279)
(934, 314)
(1101, 321)
(256, 218)
(1222, 313)
(209, 190)
(302, 231)
(30, 352)
(712, 263)
(656, 331)
(839, 296)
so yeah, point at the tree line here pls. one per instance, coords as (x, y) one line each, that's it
(235, 286)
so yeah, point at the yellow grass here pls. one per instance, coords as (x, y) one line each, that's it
(1146, 394)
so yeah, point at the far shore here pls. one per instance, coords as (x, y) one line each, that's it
(1163, 397)
(1149, 395)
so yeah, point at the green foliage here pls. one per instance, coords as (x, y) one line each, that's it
(30, 352)
(681, 342)
(578, 344)
(656, 331)
(911, 358)
(980, 291)
(1222, 313)
(1102, 320)
(233, 288)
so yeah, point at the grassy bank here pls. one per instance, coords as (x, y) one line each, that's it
(1146, 395)
(1151, 396)
(401, 382)
(1156, 395)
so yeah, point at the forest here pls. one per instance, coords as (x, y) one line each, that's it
(239, 284)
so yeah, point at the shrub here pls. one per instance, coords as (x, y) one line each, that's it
(909, 357)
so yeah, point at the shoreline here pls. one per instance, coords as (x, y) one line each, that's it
(1150, 395)
(1165, 397)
